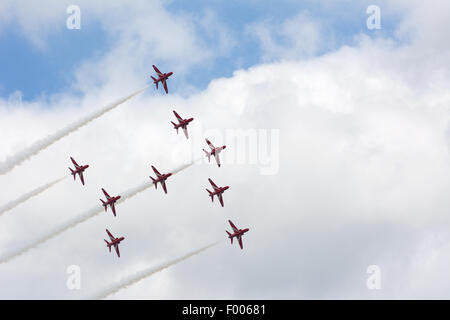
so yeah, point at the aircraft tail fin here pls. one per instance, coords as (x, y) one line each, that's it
(103, 203)
(154, 182)
(229, 236)
(211, 195)
(108, 245)
(155, 81)
(175, 126)
(72, 173)
(207, 154)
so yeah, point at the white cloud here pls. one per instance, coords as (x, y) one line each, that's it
(297, 37)
(217, 33)
(425, 23)
(141, 31)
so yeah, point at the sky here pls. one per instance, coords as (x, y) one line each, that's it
(337, 151)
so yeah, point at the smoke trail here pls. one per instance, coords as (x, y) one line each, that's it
(42, 144)
(12, 204)
(85, 216)
(128, 281)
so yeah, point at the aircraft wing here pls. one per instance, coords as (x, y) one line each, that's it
(117, 250)
(74, 162)
(235, 229)
(178, 116)
(81, 177)
(163, 183)
(110, 235)
(216, 155)
(220, 199)
(240, 242)
(210, 144)
(156, 171)
(165, 86)
(106, 194)
(185, 132)
(113, 208)
(212, 183)
(157, 71)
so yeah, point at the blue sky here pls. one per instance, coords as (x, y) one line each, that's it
(38, 72)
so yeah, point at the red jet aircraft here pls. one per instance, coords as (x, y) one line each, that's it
(238, 233)
(217, 191)
(162, 77)
(214, 152)
(182, 123)
(114, 242)
(161, 178)
(78, 169)
(109, 201)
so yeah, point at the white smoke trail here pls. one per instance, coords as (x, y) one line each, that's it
(42, 144)
(85, 216)
(14, 203)
(138, 276)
